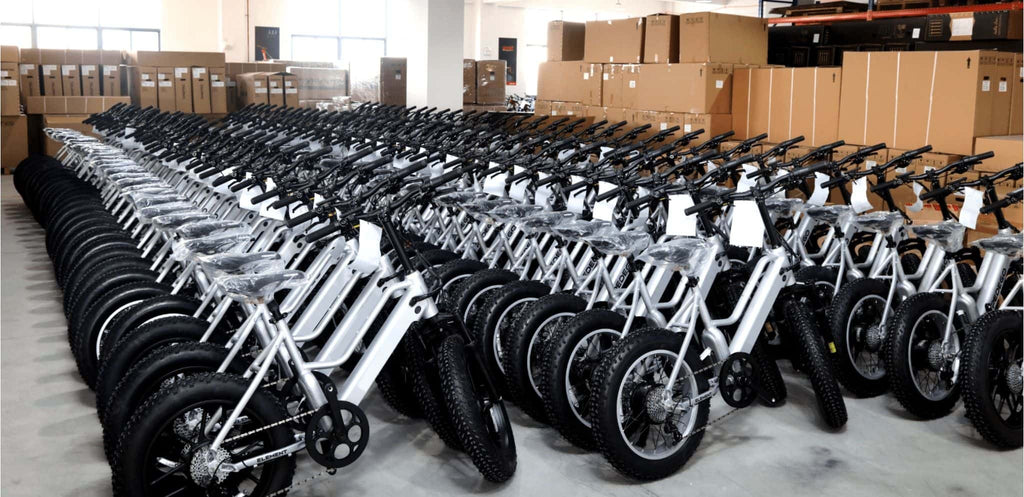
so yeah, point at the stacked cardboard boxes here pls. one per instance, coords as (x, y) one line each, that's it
(176, 81)
(787, 102)
(483, 84)
(665, 70)
(13, 125)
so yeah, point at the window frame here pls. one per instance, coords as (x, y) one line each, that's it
(99, 32)
(340, 37)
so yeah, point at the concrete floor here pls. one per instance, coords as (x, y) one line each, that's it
(51, 437)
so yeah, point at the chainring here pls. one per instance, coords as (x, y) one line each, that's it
(337, 446)
(737, 380)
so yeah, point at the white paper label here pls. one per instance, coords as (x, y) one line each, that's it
(747, 229)
(916, 33)
(816, 38)
(859, 197)
(586, 76)
(9, 82)
(276, 90)
(48, 68)
(678, 223)
(368, 257)
(632, 83)
(986, 85)
(719, 83)
(260, 90)
(3, 74)
(88, 69)
(25, 68)
(495, 184)
(108, 70)
(66, 70)
(662, 126)
(575, 201)
(162, 83)
(291, 90)
(745, 182)
(217, 84)
(518, 189)
(605, 77)
(687, 128)
(180, 71)
(963, 26)
(1002, 87)
(971, 207)
(918, 204)
(148, 84)
(543, 193)
(288, 83)
(820, 193)
(198, 72)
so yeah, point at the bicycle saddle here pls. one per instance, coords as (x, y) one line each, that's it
(150, 189)
(579, 228)
(454, 199)
(138, 181)
(513, 213)
(829, 214)
(683, 255)
(543, 221)
(210, 245)
(879, 222)
(1010, 245)
(220, 265)
(211, 227)
(619, 243)
(257, 288)
(147, 213)
(478, 210)
(144, 200)
(784, 207)
(948, 235)
(179, 218)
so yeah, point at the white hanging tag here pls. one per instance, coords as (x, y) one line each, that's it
(604, 187)
(368, 257)
(449, 157)
(575, 201)
(317, 199)
(270, 184)
(745, 182)
(782, 192)
(971, 207)
(678, 222)
(859, 199)
(605, 150)
(918, 204)
(518, 189)
(747, 229)
(495, 185)
(604, 210)
(565, 153)
(820, 193)
(543, 193)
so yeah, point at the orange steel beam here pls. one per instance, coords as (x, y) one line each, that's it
(887, 14)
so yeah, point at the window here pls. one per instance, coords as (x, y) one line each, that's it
(81, 24)
(319, 48)
(350, 31)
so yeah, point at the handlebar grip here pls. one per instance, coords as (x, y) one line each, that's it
(209, 172)
(265, 196)
(738, 162)
(320, 152)
(283, 202)
(755, 139)
(241, 185)
(301, 218)
(322, 232)
(634, 203)
(888, 185)
(938, 192)
(353, 158)
(833, 182)
(703, 206)
(221, 180)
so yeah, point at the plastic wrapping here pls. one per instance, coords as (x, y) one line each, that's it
(256, 288)
(879, 222)
(619, 243)
(1010, 245)
(785, 207)
(212, 227)
(579, 229)
(222, 265)
(829, 214)
(545, 220)
(684, 255)
(949, 235)
(182, 250)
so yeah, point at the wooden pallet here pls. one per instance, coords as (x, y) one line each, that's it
(818, 9)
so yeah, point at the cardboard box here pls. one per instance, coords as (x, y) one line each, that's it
(201, 102)
(704, 88)
(1009, 150)
(89, 72)
(620, 41)
(70, 73)
(10, 89)
(275, 89)
(142, 86)
(712, 124)
(10, 53)
(904, 195)
(787, 102)
(542, 108)
(974, 26)
(1016, 126)
(566, 40)
(28, 68)
(392, 80)
(613, 115)
(619, 86)
(218, 91)
(252, 88)
(50, 147)
(751, 101)
(183, 89)
(871, 161)
(267, 66)
(14, 136)
(290, 83)
(909, 99)
(50, 62)
(711, 37)
(661, 39)
(166, 95)
(110, 70)
(176, 59)
(468, 81)
(323, 83)
(72, 105)
(490, 77)
(570, 82)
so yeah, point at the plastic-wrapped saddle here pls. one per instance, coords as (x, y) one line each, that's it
(513, 213)
(574, 230)
(211, 227)
(784, 207)
(543, 221)
(259, 287)
(221, 265)
(684, 255)
(1010, 245)
(879, 222)
(619, 243)
(829, 214)
(948, 235)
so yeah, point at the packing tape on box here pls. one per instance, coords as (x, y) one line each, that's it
(931, 100)
(867, 97)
